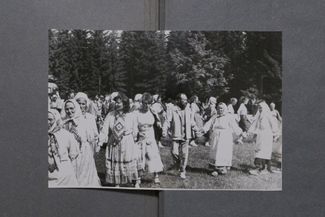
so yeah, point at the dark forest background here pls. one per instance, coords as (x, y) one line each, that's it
(223, 64)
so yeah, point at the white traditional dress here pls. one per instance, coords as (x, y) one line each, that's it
(277, 146)
(119, 131)
(64, 149)
(263, 127)
(221, 129)
(149, 156)
(92, 130)
(85, 167)
(230, 109)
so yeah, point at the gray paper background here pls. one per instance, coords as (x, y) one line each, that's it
(303, 32)
(23, 100)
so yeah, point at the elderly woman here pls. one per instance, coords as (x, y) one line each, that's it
(90, 119)
(149, 154)
(63, 149)
(264, 129)
(76, 124)
(221, 128)
(277, 146)
(119, 132)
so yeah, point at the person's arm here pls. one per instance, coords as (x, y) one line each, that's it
(278, 116)
(103, 135)
(208, 125)
(234, 126)
(167, 123)
(135, 126)
(73, 149)
(194, 127)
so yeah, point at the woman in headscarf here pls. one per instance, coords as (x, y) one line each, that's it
(63, 149)
(277, 146)
(149, 154)
(119, 132)
(264, 129)
(221, 128)
(84, 103)
(136, 102)
(76, 124)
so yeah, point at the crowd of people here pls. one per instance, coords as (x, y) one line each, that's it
(132, 131)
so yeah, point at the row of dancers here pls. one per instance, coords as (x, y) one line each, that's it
(131, 132)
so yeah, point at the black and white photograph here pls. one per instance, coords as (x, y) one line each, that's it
(165, 110)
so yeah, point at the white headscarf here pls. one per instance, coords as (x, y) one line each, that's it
(84, 96)
(138, 97)
(265, 109)
(225, 108)
(212, 100)
(77, 113)
(155, 97)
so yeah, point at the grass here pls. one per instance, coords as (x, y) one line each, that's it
(198, 172)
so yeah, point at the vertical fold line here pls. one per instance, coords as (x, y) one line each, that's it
(151, 15)
(161, 15)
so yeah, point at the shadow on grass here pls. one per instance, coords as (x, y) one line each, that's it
(245, 168)
(198, 170)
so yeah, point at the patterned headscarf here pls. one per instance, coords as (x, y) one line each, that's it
(57, 120)
(53, 147)
(77, 112)
(72, 122)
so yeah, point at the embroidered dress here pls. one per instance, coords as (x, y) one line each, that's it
(221, 130)
(63, 150)
(85, 167)
(149, 156)
(121, 151)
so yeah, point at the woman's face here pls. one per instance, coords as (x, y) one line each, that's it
(220, 110)
(70, 109)
(83, 104)
(51, 120)
(119, 105)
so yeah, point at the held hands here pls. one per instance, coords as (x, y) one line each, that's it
(276, 137)
(164, 134)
